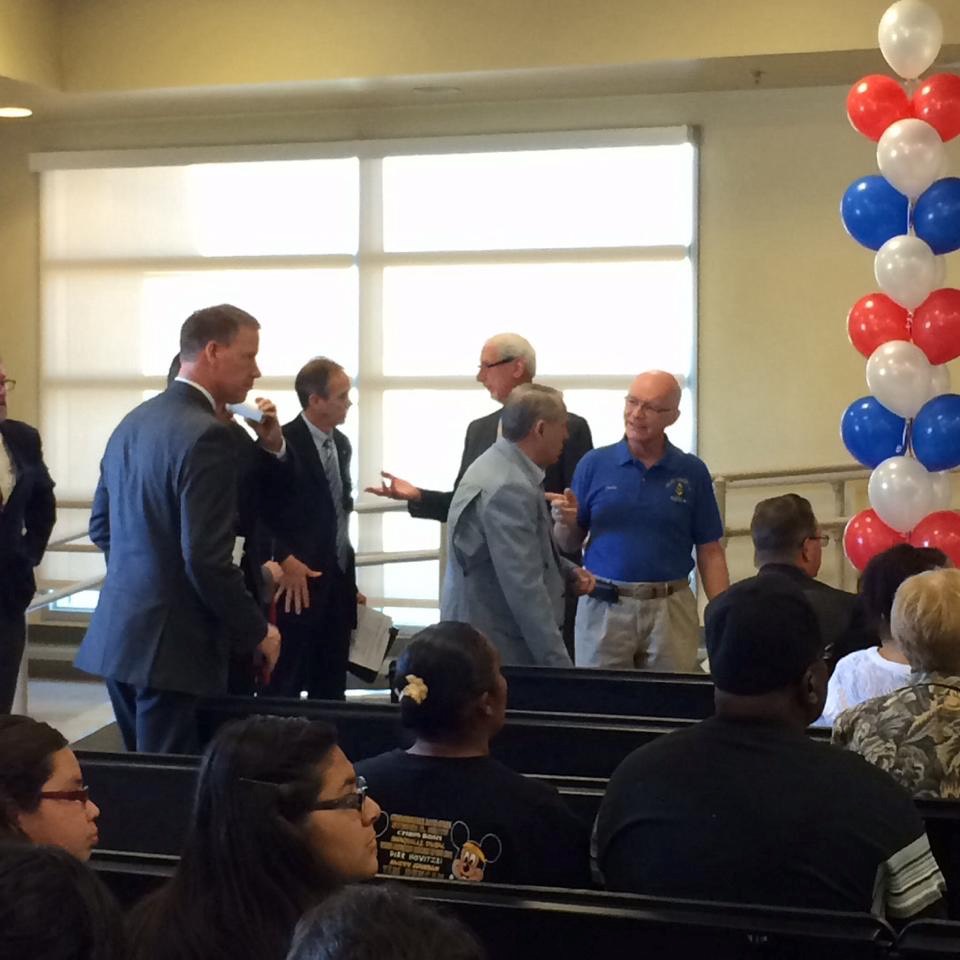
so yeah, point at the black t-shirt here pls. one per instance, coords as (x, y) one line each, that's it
(474, 819)
(751, 812)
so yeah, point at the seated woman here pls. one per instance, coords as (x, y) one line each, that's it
(280, 820)
(52, 907)
(878, 670)
(455, 812)
(380, 923)
(914, 732)
(42, 796)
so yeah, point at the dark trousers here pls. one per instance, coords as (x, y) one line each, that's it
(155, 721)
(315, 645)
(13, 638)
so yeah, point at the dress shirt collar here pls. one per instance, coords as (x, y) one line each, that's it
(320, 437)
(203, 390)
(535, 473)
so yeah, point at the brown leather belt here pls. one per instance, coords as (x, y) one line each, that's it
(651, 591)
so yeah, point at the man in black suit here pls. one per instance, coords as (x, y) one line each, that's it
(173, 605)
(318, 587)
(506, 361)
(27, 514)
(788, 541)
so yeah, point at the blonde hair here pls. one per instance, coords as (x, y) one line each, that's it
(925, 620)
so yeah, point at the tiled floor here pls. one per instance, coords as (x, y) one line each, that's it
(76, 708)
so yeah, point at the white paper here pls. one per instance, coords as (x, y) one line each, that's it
(368, 645)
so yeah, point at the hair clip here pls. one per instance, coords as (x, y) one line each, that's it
(415, 689)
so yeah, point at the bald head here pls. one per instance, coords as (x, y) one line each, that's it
(659, 384)
(652, 404)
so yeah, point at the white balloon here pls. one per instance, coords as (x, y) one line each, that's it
(906, 270)
(899, 375)
(942, 490)
(901, 492)
(910, 155)
(910, 35)
(939, 380)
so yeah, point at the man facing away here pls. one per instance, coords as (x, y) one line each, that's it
(173, 605)
(504, 574)
(27, 514)
(647, 507)
(744, 806)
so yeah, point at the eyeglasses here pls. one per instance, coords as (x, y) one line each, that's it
(496, 363)
(824, 538)
(634, 404)
(7, 385)
(352, 801)
(80, 796)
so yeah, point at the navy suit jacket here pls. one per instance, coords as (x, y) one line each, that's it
(173, 606)
(481, 435)
(26, 519)
(315, 538)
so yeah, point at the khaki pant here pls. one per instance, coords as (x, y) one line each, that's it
(658, 634)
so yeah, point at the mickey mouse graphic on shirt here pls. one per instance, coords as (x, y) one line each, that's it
(472, 857)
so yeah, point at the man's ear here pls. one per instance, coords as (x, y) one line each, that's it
(674, 416)
(485, 704)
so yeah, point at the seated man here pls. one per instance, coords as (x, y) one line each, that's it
(912, 732)
(744, 807)
(787, 540)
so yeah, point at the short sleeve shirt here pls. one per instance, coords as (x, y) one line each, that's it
(644, 522)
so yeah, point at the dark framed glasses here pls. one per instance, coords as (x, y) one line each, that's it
(496, 363)
(352, 801)
(80, 796)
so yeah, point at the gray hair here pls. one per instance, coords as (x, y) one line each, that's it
(527, 404)
(925, 620)
(511, 346)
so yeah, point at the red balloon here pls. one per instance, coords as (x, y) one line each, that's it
(865, 536)
(875, 102)
(936, 326)
(937, 101)
(940, 530)
(875, 320)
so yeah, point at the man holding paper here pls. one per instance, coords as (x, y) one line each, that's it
(173, 606)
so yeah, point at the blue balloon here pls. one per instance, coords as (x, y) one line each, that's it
(936, 216)
(936, 433)
(871, 432)
(873, 212)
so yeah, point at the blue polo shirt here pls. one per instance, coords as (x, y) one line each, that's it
(644, 522)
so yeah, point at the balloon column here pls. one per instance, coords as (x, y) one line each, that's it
(908, 430)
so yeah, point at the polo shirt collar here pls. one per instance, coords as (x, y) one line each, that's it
(670, 454)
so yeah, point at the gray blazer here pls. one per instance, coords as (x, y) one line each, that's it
(504, 575)
(173, 606)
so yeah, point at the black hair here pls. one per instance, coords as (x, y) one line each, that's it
(218, 324)
(53, 907)
(247, 872)
(457, 664)
(380, 923)
(314, 377)
(779, 526)
(27, 747)
(886, 571)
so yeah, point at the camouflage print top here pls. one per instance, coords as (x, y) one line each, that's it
(912, 733)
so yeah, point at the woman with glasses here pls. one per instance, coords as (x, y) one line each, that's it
(881, 669)
(42, 796)
(280, 820)
(453, 811)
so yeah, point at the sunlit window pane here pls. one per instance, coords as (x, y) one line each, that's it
(206, 210)
(134, 317)
(601, 318)
(413, 581)
(423, 433)
(616, 196)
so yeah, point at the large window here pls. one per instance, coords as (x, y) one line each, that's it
(395, 258)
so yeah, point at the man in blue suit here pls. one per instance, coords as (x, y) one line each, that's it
(27, 514)
(173, 603)
(504, 574)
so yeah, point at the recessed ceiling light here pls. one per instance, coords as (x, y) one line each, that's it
(15, 112)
